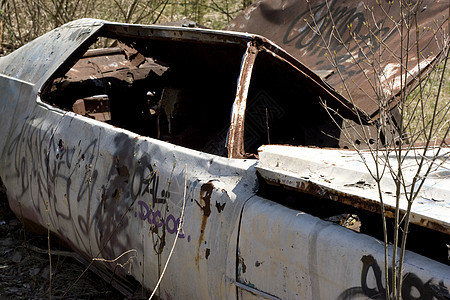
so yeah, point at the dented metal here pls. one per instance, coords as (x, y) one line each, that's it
(358, 42)
(114, 186)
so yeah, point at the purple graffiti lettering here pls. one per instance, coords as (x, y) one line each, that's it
(155, 217)
(144, 207)
(173, 229)
(170, 229)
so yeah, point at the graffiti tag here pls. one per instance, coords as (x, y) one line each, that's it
(154, 217)
(412, 288)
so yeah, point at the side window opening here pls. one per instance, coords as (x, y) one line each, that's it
(177, 91)
(282, 108)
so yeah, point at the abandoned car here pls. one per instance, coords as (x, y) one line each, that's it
(128, 143)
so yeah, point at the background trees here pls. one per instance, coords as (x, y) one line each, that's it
(23, 20)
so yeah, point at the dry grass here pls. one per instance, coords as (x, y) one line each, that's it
(24, 272)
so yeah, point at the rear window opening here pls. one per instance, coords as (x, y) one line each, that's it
(177, 91)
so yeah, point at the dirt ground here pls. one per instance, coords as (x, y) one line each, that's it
(25, 268)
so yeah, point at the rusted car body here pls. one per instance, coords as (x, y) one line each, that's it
(136, 154)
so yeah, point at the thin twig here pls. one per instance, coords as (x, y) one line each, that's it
(180, 225)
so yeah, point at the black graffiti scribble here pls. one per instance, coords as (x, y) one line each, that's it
(412, 285)
(360, 42)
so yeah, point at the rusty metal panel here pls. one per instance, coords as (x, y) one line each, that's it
(287, 254)
(235, 143)
(294, 25)
(341, 175)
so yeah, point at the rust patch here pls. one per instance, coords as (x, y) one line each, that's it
(205, 206)
(312, 188)
(220, 207)
(258, 263)
(433, 225)
(242, 267)
(136, 59)
(235, 143)
(122, 170)
(368, 260)
(359, 202)
(205, 199)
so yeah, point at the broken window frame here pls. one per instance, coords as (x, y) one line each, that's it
(235, 143)
(236, 138)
